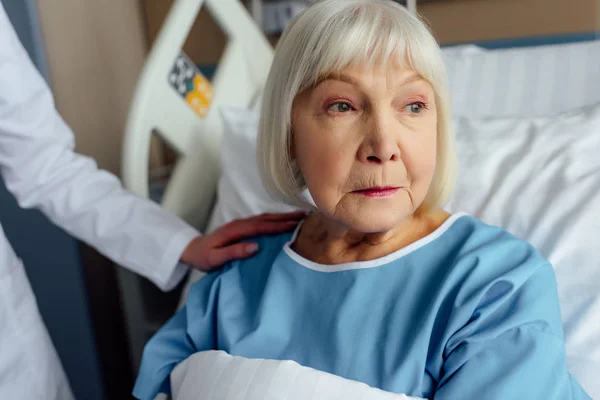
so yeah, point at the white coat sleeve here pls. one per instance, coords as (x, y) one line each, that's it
(41, 169)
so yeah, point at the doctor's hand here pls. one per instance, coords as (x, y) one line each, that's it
(210, 252)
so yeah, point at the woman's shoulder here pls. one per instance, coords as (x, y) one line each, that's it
(476, 251)
(485, 254)
(474, 236)
(239, 276)
(269, 247)
(499, 280)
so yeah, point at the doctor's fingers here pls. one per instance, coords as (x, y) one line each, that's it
(250, 228)
(216, 258)
(295, 216)
(259, 225)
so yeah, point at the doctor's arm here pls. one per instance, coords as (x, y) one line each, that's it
(41, 169)
(512, 345)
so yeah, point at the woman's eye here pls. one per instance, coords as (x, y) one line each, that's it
(415, 108)
(340, 107)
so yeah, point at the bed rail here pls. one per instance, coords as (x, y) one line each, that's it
(157, 106)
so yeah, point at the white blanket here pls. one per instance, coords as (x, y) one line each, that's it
(212, 375)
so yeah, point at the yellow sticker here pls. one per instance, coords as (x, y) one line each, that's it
(189, 82)
(198, 102)
(203, 87)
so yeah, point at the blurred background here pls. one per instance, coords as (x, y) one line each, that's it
(91, 53)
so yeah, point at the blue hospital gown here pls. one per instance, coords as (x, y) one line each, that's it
(468, 312)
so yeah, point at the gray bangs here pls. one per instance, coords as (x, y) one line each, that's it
(365, 33)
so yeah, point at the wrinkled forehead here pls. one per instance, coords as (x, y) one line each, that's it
(397, 68)
(358, 59)
(392, 73)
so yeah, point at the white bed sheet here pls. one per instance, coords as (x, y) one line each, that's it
(216, 375)
(539, 178)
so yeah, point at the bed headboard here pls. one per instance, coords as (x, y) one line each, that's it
(158, 105)
(549, 40)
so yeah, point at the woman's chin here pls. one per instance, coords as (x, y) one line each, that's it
(375, 220)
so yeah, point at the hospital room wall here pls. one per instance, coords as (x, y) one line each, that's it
(95, 52)
(461, 21)
(455, 21)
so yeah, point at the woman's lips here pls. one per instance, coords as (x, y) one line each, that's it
(386, 191)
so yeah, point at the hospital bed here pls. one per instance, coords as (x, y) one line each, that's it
(497, 86)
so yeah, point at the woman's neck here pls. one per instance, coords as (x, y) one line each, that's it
(325, 241)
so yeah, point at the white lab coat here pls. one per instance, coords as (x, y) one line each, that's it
(41, 170)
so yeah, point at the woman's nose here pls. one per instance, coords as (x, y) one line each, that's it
(380, 145)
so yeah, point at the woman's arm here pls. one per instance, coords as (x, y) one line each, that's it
(512, 346)
(170, 346)
(190, 330)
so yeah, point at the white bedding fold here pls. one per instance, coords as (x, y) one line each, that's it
(212, 375)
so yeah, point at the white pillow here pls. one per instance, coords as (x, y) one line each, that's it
(523, 82)
(240, 192)
(212, 375)
(539, 178)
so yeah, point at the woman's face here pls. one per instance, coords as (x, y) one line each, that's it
(365, 142)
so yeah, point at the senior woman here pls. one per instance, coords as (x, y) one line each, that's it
(378, 284)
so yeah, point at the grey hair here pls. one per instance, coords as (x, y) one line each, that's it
(326, 38)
